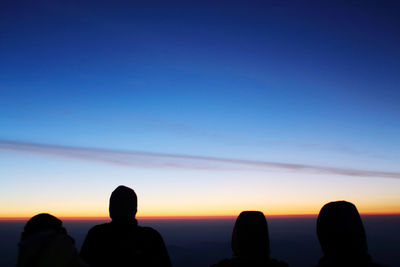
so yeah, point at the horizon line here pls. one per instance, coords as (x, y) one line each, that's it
(177, 161)
(189, 217)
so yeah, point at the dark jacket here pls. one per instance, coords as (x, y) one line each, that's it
(241, 262)
(125, 244)
(48, 249)
(45, 243)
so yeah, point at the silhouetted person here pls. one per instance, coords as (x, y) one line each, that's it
(250, 242)
(342, 236)
(45, 243)
(122, 242)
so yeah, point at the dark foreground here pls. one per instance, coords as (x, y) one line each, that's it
(200, 242)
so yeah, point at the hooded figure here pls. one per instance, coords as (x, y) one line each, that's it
(123, 204)
(45, 243)
(122, 242)
(342, 236)
(250, 242)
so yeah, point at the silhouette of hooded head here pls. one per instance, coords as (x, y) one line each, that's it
(341, 232)
(42, 222)
(45, 242)
(250, 236)
(123, 203)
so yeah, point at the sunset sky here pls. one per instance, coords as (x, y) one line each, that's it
(204, 108)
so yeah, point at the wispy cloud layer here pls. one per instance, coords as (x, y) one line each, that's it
(158, 160)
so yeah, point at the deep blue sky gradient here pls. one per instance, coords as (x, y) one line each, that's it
(260, 73)
(311, 82)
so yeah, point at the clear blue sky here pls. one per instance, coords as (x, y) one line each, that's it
(306, 83)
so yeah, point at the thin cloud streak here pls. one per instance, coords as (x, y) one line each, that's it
(158, 160)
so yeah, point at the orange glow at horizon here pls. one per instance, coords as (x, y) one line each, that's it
(194, 195)
(199, 214)
(185, 217)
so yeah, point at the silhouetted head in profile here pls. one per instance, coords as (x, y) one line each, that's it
(250, 242)
(342, 236)
(123, 204)
(250, 235)
(45, 243)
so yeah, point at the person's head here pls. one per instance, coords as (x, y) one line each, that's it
(340, 230)
(42, 222)
(123, 203)
(250, 236)
(45, 242)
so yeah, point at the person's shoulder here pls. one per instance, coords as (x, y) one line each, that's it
(276, 263)
(369, 263)
(149, 232)
(100, 228)
(377, 265)
(224, 263)
(236, 262)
